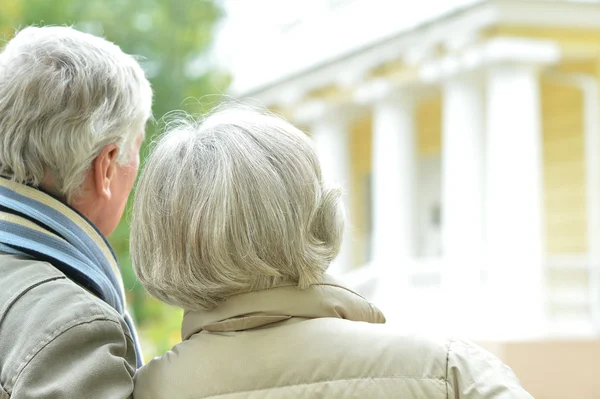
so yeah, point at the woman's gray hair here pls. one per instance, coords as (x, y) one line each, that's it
(232, 204)
(64, 95)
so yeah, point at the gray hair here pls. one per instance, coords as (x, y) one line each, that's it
(64, 95)
(232, 204)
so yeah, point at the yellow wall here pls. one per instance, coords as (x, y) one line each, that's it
(563, 137)
(563, 164)
(563, 149)
(564, 173)
(429, 125)
(563, 160)
(428, 141)
(360, 170)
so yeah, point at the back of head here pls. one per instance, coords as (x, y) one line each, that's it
(64, 95)
(232, 204)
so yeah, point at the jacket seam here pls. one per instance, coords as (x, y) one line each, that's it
(447, 368)
(11, 301)
(95, 313)
(3, 392)
(55, 335)
(391, 377)
(343, 288)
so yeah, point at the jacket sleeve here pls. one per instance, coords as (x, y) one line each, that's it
(474, 373)
(94, 359)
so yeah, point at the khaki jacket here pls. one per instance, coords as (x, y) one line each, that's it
(56, 339)
(323, 342)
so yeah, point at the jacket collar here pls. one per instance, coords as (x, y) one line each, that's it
(260, 308)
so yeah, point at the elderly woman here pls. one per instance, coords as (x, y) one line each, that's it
(234, 223)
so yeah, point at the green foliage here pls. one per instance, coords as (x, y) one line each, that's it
(171, 39)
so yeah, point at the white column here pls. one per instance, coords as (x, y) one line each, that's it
(331, 139)
(590, 87)
(393, 180)
(462, 198)
(514, 234)
(393, 203)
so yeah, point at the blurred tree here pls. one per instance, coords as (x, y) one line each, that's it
(172, 39)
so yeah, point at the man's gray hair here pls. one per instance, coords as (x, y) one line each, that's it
(64, 95)
(232, 204)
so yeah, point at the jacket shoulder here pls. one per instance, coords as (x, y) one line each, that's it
(38, 304)
(324, 357)
(475, 373)
(25, 282)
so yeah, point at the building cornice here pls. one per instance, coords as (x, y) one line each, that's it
(423, 47)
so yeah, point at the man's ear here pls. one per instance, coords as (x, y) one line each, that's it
(104, 170)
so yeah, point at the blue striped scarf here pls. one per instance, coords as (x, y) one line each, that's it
(35, 224)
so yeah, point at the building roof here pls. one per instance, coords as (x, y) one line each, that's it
(460, 17)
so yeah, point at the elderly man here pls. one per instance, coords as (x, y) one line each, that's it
(73, 108)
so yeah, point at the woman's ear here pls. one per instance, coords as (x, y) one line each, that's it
(104, 169)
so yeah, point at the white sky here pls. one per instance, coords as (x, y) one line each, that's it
(255, 46)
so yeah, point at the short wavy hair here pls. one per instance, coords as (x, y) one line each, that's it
(233, 203)
(64, 95)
